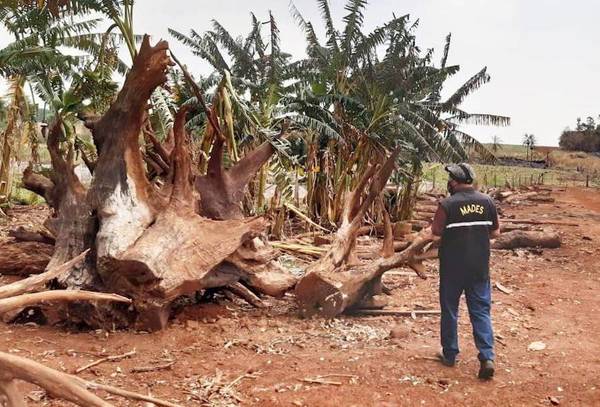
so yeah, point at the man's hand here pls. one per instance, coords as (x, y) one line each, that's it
(431, 235)
(495, 233)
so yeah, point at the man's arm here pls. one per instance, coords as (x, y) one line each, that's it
(495, 228)
(439, 221)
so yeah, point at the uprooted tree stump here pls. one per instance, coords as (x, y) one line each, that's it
(338, 280)
(147, 242)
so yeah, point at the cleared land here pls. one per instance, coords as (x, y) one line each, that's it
(225, 353)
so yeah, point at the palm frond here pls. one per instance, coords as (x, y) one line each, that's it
(474, 83)
(481, 119)
(469, 142)
(354, 21)
(331, 32)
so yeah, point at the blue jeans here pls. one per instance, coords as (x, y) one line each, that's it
(479, 298)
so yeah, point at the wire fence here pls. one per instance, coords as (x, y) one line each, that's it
(517, 177)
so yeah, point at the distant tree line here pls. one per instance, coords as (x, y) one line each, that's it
(585, 137)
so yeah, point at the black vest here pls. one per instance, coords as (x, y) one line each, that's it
(465, 246)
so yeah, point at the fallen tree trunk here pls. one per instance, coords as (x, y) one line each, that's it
(331, 292)
(523, 239)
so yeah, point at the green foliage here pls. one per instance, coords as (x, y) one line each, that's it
(585, 137)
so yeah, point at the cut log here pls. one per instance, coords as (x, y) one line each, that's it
(516, 197)
(538, 222)
(523, 239)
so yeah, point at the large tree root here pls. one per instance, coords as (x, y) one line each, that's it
(151, 242)
(25, 300)
(338, 280)
(58, 384)
(329, 293)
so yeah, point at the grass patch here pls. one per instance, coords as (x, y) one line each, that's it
(22, 196)
(499, 175)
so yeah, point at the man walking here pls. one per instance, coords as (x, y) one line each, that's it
(466, 221)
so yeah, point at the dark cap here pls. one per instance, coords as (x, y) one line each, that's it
(462, 173)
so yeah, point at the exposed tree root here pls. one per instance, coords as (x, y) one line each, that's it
(243, 292)
(151, 242)
(37, 282)
(338, 281)
(58, 384)
(25, 300)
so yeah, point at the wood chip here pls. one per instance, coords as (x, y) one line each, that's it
(503, 289)
(320, 381)
(395, 312)
(554, 400)
(144, 369)
(535, 346)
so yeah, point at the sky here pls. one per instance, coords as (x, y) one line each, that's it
(542, 55)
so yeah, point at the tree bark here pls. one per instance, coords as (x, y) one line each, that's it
(24, 258)
(524, 239)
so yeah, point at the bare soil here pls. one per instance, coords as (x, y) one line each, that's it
(227, 354)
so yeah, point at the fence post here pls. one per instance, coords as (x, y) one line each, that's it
(495, 180)
(587, 180)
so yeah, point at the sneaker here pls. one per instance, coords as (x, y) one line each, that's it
(486, 370)
(445, 361)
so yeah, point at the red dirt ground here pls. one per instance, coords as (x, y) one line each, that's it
(227, 354)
